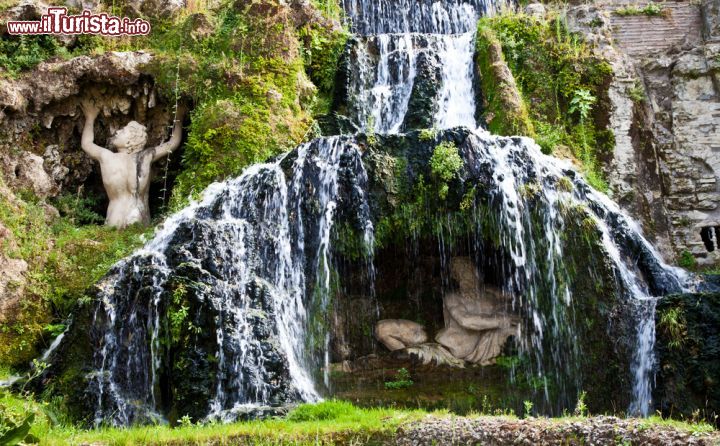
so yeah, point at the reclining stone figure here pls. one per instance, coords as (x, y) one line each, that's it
(477, 320)
(397, 334)
(477, 324)
(126, 172)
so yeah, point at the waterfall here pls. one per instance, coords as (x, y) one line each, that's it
(526, 186)
(260, 248)
(398, 40)
(226, 308)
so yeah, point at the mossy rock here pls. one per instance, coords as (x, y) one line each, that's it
(688, 356)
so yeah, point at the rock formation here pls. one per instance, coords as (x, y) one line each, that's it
(665, 99)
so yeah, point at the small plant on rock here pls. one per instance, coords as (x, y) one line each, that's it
(445, 164)
(581, 409)
(402, 380)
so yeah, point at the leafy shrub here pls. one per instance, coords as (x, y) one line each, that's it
(563, 83)
(651, 9)
(445, 164)
(79, 208)
(402, 380)
(18, 53)
(687, 260)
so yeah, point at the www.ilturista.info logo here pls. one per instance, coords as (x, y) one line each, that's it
(56, 21)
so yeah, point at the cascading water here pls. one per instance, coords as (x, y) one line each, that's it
(531, 194)
(408, 38)
(254, 255)
(224, 311)
(403, 50)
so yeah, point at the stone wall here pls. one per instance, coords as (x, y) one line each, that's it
(666, 117)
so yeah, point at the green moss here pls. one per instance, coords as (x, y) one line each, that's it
(64, 261)
(556, 72)
(321, 51)
(651, 9)
(505, 113)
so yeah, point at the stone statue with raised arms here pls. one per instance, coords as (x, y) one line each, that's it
(126, 172)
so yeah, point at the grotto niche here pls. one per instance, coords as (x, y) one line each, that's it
(476, 318)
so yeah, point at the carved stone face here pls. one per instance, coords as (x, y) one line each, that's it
(130, 139)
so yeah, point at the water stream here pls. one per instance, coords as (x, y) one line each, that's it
(246, 273)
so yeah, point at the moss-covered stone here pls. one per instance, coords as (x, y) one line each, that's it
(555, 71)
(688, 355)
(505, 110)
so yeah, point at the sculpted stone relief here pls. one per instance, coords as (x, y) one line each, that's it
(478, 322)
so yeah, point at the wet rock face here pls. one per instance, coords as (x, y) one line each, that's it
(688, 350)
(422, 105)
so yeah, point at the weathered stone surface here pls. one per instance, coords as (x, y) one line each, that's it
(41, 109)
(535, 9)
(25, 172)
(666, 160)
(12, 276)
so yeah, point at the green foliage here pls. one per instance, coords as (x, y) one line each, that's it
(651, 9)
(330, 8)
(245, 73)
(504, 114)
(581, 103)
(21, 419)
(402, 380)
(18, 53)
(64, 261)
(673, 323)
(321, 53)
(445, 164)
(636, 93)
(581, 409)
(428, 134)
(557, 72)
(528, 406)
(325, 411)
(79, 208)
(687, 260)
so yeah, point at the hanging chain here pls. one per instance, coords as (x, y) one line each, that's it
(172, 127)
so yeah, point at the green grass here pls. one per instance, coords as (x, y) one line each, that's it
(330, 422)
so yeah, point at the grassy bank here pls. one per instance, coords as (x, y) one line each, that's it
(330, 422)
